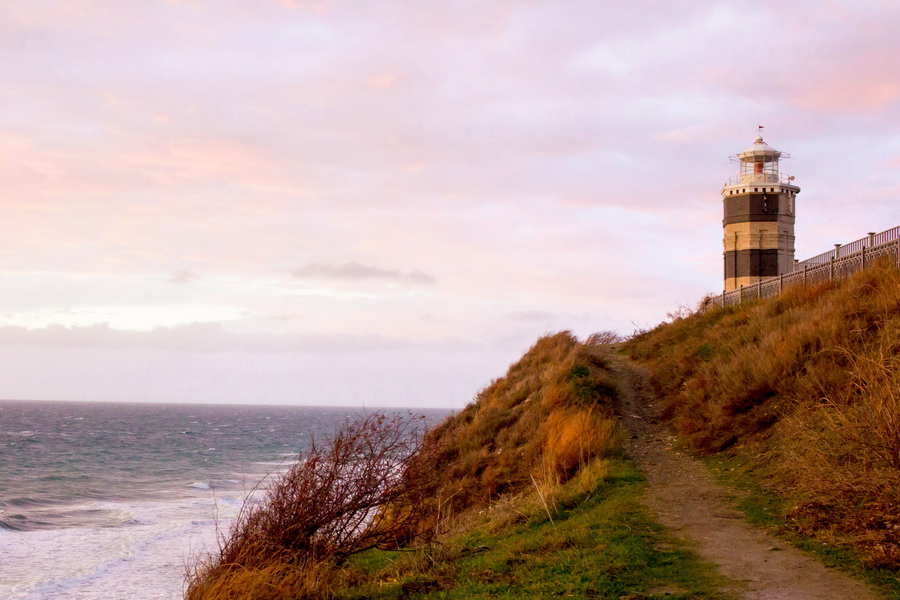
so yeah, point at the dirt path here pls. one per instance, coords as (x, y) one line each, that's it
(690, 503)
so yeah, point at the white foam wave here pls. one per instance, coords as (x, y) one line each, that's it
(144, 559)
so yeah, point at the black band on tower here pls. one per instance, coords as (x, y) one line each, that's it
(755, 207)
(751, 263)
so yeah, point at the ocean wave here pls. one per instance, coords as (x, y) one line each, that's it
(66, 517)
(22, 502)
(12, 523)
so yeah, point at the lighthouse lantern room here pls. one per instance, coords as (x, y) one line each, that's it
(759, 208)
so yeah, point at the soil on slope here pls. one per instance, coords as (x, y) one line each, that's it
(687, 500)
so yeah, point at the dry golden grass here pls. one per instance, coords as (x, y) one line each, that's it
(551, 413)
(574, 436)
(277, 580)
(808, 384)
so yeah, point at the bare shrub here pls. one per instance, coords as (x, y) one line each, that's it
(367, 486)
(682, 311)
(604, 337)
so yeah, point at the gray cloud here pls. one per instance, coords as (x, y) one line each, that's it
(212, 337)
(534, 315)
(354, 271)
(183, 277)
(544, 316)
(192, 337)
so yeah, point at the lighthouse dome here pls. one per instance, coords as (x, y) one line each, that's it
(759, 150)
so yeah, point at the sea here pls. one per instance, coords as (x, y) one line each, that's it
(116, 501)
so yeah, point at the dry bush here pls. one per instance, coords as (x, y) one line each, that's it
(367, 486)
(604, 337)
(681, 312)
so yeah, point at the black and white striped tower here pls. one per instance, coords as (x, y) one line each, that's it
(759, 217)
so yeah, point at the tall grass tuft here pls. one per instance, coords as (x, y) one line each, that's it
(574, 436)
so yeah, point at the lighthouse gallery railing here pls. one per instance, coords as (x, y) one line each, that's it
(841, 262)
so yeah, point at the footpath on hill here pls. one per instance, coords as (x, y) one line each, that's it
(689, 502)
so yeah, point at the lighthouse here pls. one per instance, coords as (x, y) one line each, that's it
(759, 205)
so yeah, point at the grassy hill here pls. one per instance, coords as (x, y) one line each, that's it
(802, 391)
(530, 496)
(526, 492)
(552, 413)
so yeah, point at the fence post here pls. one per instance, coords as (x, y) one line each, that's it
(831, 273)
(871, 239)
(805, 269)
(741, 296)
(723, 298)
(864, 257)
(759, 289)
(780, 283)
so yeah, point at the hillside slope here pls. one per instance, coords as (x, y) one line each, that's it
(527, 491)
(530, 498)
(805, 390)
(553, 412)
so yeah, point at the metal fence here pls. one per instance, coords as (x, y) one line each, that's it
(839, 263)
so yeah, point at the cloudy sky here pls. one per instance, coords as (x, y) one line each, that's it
(385, 203)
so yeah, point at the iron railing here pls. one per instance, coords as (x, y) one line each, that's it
(839, 263)
(760, 179)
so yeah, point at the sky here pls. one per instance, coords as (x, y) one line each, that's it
(386, 203)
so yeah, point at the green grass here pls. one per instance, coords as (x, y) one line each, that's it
(604, 545)
(767, 510)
